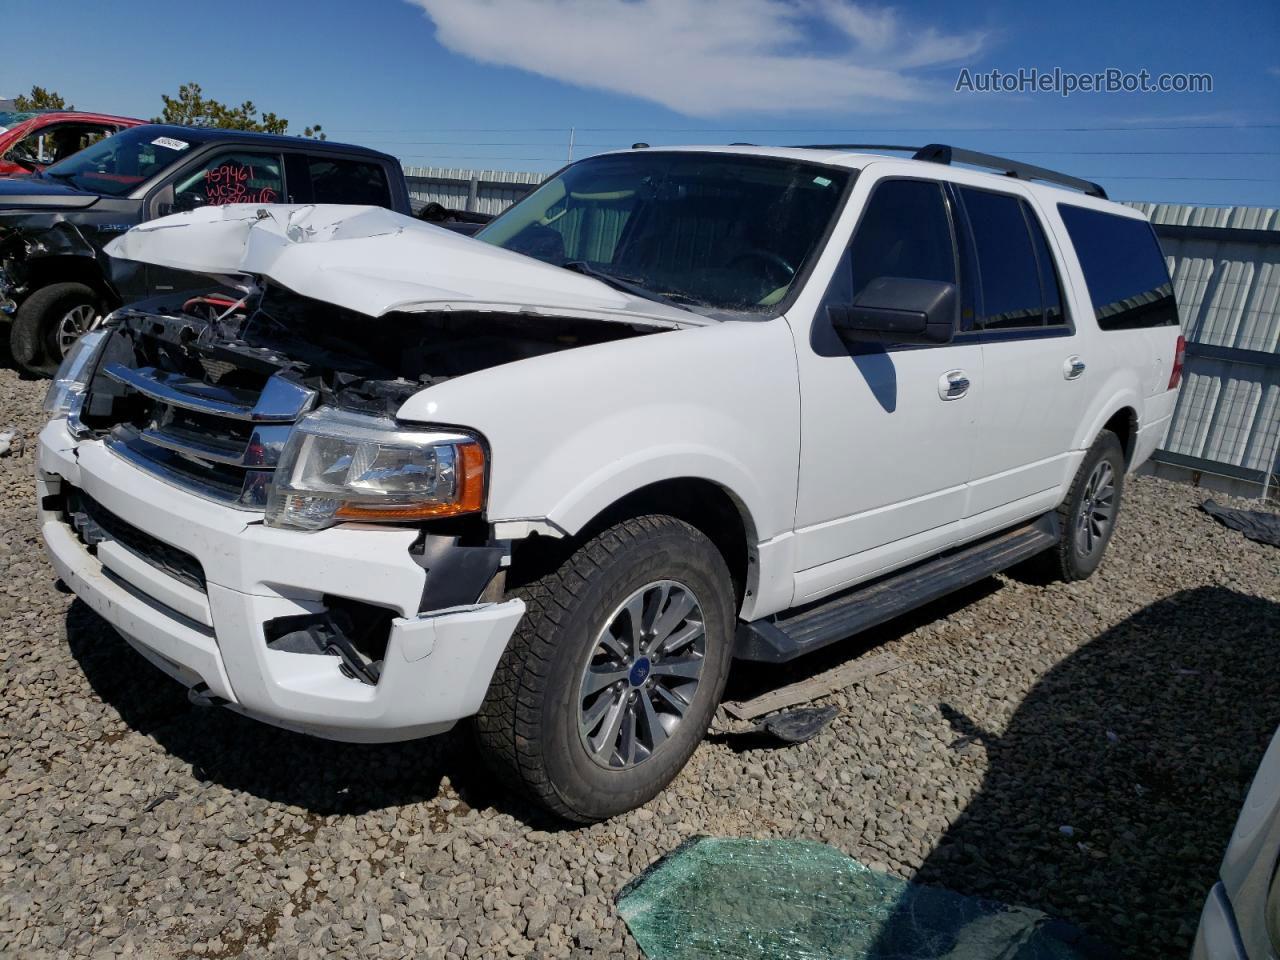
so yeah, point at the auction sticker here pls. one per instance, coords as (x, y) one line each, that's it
(171, 143)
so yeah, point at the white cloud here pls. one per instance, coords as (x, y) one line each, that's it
(708, 57)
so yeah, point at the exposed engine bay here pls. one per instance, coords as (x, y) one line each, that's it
(352, 361)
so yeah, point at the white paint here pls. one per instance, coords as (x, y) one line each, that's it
(376, 261)
(842, 468)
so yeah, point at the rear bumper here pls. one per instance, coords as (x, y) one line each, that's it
(436, 667)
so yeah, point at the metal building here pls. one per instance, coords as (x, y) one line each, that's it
(1225, 263)
(476, 191)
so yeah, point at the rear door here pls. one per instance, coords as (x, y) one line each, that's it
(1036, 372)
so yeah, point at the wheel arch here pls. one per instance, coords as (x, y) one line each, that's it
(68, 268)
(1124, 424)
(1117, 408)
(709, 506)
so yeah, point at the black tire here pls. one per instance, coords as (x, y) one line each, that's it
(528, 727)
(1079, 553)
(33, 338)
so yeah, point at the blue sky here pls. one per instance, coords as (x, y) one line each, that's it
(499, 83)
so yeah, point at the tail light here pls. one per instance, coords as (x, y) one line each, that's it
(1179, 356)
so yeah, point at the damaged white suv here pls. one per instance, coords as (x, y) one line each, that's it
(675, 407)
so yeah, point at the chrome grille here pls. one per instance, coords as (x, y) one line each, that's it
(221, 443)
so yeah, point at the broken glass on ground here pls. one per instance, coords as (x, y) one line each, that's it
(725, 898)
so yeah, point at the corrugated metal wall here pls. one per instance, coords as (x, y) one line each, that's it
(477, 191)
(1225, 263)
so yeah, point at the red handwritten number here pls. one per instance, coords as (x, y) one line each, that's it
(229, 183)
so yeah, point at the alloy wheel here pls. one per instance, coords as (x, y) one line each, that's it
(74, 324)
(1097, 508)
(641, 675)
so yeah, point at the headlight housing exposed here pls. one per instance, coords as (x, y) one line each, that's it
(65, 395)
(340, 466)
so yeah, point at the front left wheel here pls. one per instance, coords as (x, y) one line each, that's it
(49, 321)
(612, 678)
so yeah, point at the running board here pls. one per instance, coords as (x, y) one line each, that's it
(796, 632)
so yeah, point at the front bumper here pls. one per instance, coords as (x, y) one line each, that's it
(437, 665)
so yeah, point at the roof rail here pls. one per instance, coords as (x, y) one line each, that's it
(943, 153)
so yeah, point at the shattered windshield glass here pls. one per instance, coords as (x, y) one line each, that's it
(729, 898)
(719, 231)
(116, 165)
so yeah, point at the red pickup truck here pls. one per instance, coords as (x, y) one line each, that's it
(32, 141)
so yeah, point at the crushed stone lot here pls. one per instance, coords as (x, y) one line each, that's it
(1083, 749)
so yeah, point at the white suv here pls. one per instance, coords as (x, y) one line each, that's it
(675, 407)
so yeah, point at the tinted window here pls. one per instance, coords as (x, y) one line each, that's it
(1007, 268)
(1123, 268)
(904, 232)
(1050, 285)
(230, 178)
(335, 180)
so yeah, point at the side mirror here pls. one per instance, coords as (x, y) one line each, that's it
(898, 310)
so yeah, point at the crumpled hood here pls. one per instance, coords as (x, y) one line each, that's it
(375, 261)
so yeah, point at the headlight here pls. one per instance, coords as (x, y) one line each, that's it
(66, 394)
(340, 466)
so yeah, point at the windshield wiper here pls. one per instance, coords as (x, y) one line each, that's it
(625, 284)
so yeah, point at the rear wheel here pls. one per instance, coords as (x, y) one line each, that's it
(1088, 515)
(48, 322)
(612, 677)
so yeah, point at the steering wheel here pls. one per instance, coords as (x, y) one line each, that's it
(766, 256)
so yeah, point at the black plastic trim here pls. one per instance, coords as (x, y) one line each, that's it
(456, 574)
(810, 627)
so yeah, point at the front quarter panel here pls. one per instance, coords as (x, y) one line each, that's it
(572, 432)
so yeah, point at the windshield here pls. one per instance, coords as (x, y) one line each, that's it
(116, 165)
(717, 231)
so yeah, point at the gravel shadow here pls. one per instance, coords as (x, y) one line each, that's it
(1109, 799)
(320, 776)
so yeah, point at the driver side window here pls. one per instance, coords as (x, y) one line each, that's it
(904, 232)
(58, 141)
(35, 147)
(239, 177)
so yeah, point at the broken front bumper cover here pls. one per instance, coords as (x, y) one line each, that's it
(436, 667)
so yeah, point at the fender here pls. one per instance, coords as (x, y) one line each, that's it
(572, 432)
(1121, 389)
(34, 243)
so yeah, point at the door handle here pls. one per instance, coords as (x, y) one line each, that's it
(953, 385)
(1072, 367)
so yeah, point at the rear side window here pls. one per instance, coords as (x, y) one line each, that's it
(904, 232)
(1008, 266)
(1123, 268)
(338, 180)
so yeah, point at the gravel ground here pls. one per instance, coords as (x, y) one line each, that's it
(1083, 749)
